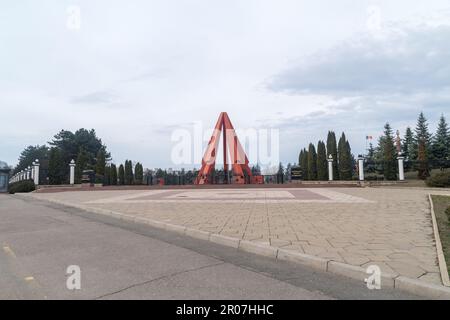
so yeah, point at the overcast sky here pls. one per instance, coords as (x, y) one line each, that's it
(137, 70)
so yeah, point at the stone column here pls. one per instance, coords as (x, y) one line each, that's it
(36, 171)
(72, 172)
(29, 173)
(401, 171)
(361, 168)
(330, 167)
(32, 170)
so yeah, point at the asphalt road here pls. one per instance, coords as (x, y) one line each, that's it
(122, 260)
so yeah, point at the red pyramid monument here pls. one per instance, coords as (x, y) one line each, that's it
(239, 160)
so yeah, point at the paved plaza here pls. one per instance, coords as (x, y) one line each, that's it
(389, 227)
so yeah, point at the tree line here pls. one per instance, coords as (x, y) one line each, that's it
(89, 153)
(314, 162)
(421, 149)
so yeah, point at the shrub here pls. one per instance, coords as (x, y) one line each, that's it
(447, 211)
(441, 179)
(21, 186)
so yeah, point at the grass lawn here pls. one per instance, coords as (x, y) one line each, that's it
(441, 203)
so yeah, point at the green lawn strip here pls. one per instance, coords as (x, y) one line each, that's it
(441, 203)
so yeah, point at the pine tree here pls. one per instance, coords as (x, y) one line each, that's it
(81, 164)
(322, 163)
(441, 141)
(113, 172)
(345, 165)
(332, 149)
(408, 144)
(121, 175)
(388, 150)
(312, 162)
(422, 159)
(56, 167)
(422, 134)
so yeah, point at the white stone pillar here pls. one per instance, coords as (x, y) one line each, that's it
(401, 171)
(72, 172)
(36, 171)
(330, 167)
(32, 170)
(29, 173)
(361, 168)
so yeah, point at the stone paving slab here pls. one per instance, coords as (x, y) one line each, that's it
(387, 227)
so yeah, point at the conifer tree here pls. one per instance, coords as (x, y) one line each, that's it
(81, 164)
(441, 141)
(113, 172)
(408, 144)
(138, 173)
(121, 175)
(304, 164)
(422, 134)
(56, 167)
(345, 164)
(322, 163)
(422, 159)
(107, 176)
(312, 162)
(332, 149)
(388, 150)
(100, 163)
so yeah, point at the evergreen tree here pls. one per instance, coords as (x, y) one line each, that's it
(121, 175)
(138, 173)
(408, 144)
(113, 172)
(56, 167)
(81, 164)
(107, 176)
(128, 172)
(388, 150)
(322, 163)
(422, 134)
(280, 173)
(304, 163)
(332, 149)
(422, 159)
(370, 159)
(441, 141)
(345, 165)
(100, 162)
(312, 162)
(29, 155)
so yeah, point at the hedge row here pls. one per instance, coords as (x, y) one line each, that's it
(21, 186)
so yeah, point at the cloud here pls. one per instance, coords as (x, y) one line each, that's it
(97, 97)
(400, 60)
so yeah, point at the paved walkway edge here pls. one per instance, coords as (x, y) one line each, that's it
(440, 252)
(415, 286)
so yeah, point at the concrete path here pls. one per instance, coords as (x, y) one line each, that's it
(387, 227)
(122, 260)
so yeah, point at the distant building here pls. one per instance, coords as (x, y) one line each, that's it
(4, 176)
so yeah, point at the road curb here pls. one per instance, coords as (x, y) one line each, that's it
(440, 252)
(414, 286)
